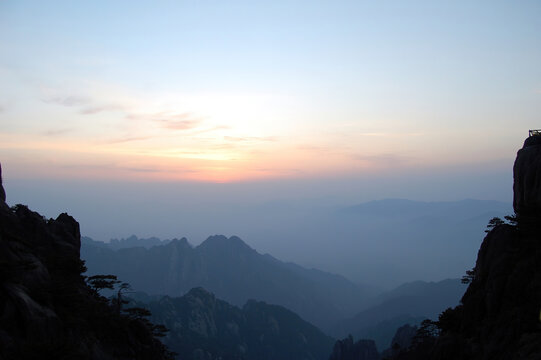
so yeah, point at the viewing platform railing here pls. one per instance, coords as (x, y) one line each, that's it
(535, 132)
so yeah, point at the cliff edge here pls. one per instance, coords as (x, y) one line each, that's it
(527, 182)
(46, 308)
(500, 313)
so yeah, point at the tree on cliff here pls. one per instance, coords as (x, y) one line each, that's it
(495, 221)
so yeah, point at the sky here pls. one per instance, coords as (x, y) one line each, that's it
(216, 104)
(222, 91)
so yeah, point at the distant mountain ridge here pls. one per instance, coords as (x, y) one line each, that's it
(233, 271)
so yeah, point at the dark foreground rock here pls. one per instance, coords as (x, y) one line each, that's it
(500, 314)
(47, 311)
(527, 181)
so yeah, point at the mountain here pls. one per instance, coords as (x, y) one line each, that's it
(409, 303)
(233, 271)
(499, 315)
(47, 311)
(134, 241)
(204, 327)
(346, 349)
(402, 339)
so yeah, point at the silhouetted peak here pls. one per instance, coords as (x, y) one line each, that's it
(68, 228)
(527, 180)
(70, 224)
(223, 242)
(215, 239)
(532, 141)
(2, 192)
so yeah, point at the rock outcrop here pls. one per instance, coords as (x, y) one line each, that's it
(500, 315)
(346, 349)
(402, 341)
(527, 181)
(47, 311)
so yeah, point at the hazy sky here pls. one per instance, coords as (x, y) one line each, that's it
(222, 91)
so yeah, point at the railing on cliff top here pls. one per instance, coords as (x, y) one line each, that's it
(535, 132)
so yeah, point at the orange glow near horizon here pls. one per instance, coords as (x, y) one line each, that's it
(220, 158)
(65, 158)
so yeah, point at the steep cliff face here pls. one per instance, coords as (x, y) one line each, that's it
(527, 180)
(500, 315)
(46, 308)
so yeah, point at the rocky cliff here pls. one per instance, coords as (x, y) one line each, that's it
(527, 182)
(346, 349)
(499, 317)
(46, 308)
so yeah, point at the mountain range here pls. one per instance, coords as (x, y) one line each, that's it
(234, 272)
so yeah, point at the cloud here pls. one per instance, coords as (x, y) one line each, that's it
(91, 110)
(112, 167)
(69, 101)
(183, 121)
(168, 119)
(56, 132)
(86, 105)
